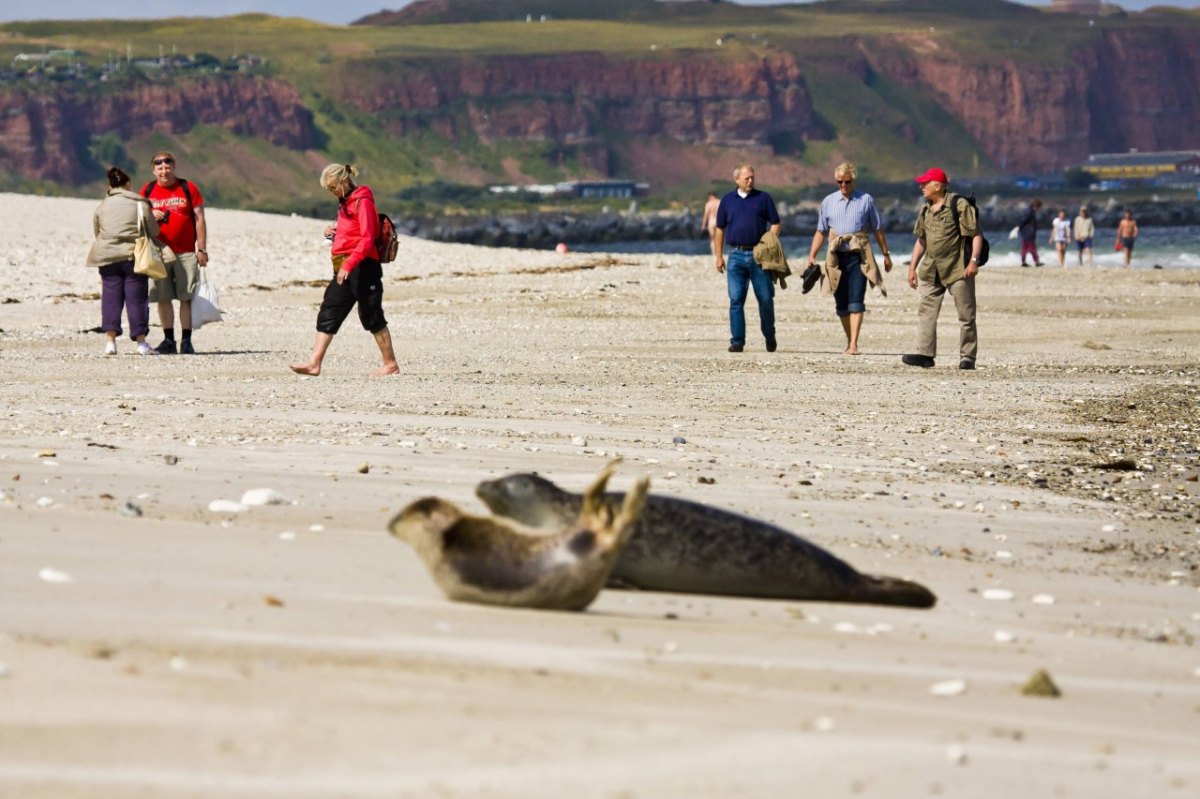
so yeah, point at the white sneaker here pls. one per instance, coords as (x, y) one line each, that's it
(146, 349)
(110, 348)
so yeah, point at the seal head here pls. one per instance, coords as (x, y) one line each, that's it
(499, 561)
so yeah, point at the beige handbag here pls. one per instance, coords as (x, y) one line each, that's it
(147, 253)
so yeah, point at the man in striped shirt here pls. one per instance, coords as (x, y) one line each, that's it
(845, 212)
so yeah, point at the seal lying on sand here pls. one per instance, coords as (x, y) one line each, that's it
(498, 562)
(684, 546)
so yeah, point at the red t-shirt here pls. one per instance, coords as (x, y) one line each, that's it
(179, 231)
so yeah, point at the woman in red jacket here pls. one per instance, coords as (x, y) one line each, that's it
(357, 274)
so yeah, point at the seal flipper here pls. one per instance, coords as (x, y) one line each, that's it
(895, 591)
(597, 514)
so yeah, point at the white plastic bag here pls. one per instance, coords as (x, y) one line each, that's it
(205, 305)
(1012, 234)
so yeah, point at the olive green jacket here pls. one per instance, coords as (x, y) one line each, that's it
(768, 253)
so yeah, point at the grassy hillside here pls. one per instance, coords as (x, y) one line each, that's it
(897, 125)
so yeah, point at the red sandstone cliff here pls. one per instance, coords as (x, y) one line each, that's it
(581, 97)
(45, 131)
(1136, 87)
(1129, 89)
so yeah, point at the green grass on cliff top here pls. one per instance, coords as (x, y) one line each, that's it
(301, 51)
(296, 44)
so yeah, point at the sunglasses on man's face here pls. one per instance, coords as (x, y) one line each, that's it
(844, 182)
(161, 161)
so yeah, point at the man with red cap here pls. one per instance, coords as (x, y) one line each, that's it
(946, 259)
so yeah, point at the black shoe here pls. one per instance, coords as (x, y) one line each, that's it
(736, 347)
(965, 364)
(772, 345)
(1037, 263)
(1024, 265)
(185, 347)
(924, 361)
(167, 347)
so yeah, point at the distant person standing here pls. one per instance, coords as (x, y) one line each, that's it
(179, 210)
(708, 221)
(1084, 231)
(846, 218)
(946, 264)
(1060, 236)
(1127, 233)
(1027, 231)
(116, 227)
(357, 274)
(743, 216)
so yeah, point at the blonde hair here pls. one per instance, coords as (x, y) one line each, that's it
(845, 168)
(737, 170)
(335, 175)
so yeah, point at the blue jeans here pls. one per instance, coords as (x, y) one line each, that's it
(741, 272)
(852, 285)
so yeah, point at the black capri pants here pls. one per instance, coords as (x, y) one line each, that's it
(365, 287)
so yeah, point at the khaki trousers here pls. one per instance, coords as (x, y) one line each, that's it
(929, 305)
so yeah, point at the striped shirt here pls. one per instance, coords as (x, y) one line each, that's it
(848, 215)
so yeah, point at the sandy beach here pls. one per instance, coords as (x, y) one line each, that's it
(152, 647)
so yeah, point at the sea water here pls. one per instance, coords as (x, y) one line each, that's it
(1164, 247)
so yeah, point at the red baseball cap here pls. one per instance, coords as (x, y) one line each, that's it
(931, 175)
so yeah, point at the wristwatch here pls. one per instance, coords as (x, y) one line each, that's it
(206, 252)
(973, 258)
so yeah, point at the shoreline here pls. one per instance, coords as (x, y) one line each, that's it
(297, 650)
(545, 229)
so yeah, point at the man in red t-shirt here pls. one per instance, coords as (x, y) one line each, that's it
(179, 209)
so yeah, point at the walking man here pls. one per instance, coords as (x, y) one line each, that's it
(1127, 233)
(179, 209)
(945, 227)
(743, 216)
(846, 217)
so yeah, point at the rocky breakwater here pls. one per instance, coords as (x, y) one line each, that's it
(546, 229)
(45, 132)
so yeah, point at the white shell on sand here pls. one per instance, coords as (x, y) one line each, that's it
(227, 506)
(264, 496)
(948, 688)
(997, 594)
(55, 576)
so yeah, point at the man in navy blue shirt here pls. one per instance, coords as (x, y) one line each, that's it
(743, 216)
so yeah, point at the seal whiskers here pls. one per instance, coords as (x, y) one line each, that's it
(500, 561)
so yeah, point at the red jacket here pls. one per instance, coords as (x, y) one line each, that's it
(357, 228)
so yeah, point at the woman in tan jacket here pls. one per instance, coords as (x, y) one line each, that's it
(115, 225)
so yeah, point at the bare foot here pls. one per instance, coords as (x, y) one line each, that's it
(851, 351)
(305, 369)
(385, 370)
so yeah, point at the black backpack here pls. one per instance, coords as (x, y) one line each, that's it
(986, 249)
